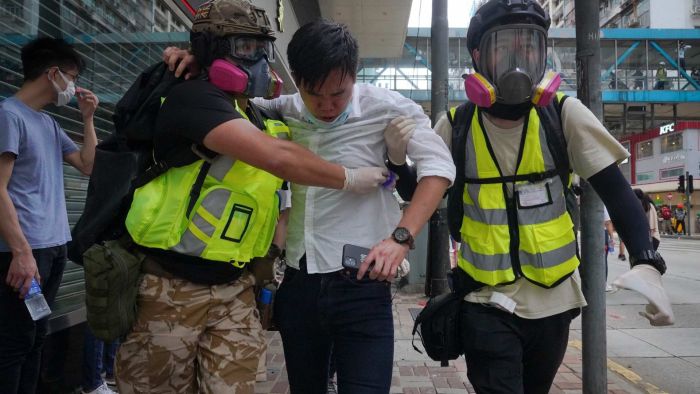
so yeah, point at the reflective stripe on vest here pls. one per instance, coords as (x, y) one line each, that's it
(546, 247)
(233, 219)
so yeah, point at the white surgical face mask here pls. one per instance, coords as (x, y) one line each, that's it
(340, 120)
(64, 96)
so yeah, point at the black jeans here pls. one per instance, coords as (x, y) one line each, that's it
(21, 338)
(511, 355)
(319, 312)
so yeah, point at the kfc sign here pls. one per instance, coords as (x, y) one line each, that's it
(667, 128)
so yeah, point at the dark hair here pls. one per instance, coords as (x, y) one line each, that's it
(45, 52)
(644, 199)
(320, 47)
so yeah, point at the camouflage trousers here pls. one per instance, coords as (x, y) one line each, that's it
(191, 338)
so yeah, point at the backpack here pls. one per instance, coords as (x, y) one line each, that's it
(550, 116)
(438, 323)
(666, 213)
(112, 277)
(438, 326)
(123, 162)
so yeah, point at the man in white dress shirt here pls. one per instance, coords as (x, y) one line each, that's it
(320, 305)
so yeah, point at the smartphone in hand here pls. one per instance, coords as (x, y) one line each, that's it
(353, 256)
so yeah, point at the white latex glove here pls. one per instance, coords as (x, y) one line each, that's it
(397, 134)
(364, 179)
(646, 280)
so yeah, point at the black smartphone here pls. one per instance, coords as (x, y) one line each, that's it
(353, 256)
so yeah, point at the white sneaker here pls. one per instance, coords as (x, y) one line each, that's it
(646, 280)
(103, 389)
(111, 382)
(609, 288)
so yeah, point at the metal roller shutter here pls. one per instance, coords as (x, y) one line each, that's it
(69, 307)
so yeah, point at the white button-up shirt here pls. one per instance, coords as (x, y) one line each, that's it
(323, 220)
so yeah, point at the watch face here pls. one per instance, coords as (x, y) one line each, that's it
(401, 234)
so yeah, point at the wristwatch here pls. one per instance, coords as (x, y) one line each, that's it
(402, 236)
(650, 257)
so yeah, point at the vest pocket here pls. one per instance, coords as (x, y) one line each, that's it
(221, 224)
(237, 224)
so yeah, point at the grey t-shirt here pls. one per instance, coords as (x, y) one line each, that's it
(36, 183)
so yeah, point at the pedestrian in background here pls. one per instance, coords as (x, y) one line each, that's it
(666, 216)
(679, 215)
(34, 222)
(661, 76)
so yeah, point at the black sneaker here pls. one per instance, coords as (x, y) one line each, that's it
(621, 257)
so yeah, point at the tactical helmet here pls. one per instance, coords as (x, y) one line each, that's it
(503, 12)
(226, 17)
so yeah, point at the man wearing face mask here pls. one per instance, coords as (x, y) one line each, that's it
(517, 238)
(201, 222)
(320, 306)
(34, 225)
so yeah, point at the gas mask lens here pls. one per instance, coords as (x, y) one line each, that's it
(251, 48)
(509, 48)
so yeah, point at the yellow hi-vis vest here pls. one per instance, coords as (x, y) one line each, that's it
(233, 219)
(503, 240)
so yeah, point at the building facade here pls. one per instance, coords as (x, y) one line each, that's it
(654, 14)
(659, 157)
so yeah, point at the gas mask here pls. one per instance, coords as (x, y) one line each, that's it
(63, 96)
(512, 69)
(255, 80)
(252, 75)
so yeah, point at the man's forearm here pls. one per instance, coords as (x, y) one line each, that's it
(280, 237)
(425, 201)
(87, 152)
(626, 212)
(10, 230)
(243, 141)
(299, 165)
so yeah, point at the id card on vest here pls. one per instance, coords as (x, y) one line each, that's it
(532, 195)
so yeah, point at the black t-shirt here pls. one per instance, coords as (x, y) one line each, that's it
(191, 110)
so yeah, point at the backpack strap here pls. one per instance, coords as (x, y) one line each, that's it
(556, 143)
(460, 119)
(550, 116)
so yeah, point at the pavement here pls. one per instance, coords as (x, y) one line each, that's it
(415, 373)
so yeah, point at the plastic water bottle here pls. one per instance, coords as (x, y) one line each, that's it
(36, 303)
(265, 306)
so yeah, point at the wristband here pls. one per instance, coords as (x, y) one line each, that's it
(650, 257)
